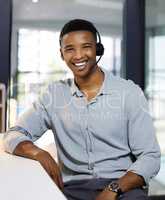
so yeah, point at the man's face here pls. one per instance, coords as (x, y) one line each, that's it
(78, 49)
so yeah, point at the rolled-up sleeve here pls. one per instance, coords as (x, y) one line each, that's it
(31, 124)
(141, 136)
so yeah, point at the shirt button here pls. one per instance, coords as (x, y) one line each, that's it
(95, 175)
(91, 166)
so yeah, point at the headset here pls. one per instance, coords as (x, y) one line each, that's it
(99, 47)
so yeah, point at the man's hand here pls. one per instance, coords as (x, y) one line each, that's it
(51, 167)
(29, 150)
(107, 195)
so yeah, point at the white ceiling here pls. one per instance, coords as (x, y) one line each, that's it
(99, 11)
(155, 13)
(103, 12)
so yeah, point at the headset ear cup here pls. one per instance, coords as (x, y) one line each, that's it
(99, 49)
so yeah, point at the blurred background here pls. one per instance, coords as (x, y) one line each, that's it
(35, 57)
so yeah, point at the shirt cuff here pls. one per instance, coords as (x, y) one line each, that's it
(146, 175)
(12, 138)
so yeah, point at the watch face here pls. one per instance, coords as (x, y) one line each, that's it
(114, 185)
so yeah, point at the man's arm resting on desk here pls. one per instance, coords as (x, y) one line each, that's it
(29, 150)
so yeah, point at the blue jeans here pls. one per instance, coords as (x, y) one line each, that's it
(89, 189)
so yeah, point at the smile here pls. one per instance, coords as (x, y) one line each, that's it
(80, 65)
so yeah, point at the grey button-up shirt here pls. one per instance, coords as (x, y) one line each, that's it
(105, 137)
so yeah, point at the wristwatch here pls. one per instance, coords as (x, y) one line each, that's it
(114, 187)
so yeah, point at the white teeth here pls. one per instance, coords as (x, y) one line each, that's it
(80, 64)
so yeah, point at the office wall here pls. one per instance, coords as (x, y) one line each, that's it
(5, 32)
(134, 41)
(5, 35)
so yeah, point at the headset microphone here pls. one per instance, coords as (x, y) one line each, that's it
(99, 59)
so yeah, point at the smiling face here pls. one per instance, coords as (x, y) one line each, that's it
(78, 50)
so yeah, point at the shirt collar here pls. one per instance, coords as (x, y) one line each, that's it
(105, 89)
(75, 90)
(106, 86)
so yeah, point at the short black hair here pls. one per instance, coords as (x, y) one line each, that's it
(78, 25)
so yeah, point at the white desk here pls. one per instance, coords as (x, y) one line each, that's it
(25, 179)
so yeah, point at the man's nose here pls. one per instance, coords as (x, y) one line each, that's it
(78, 54)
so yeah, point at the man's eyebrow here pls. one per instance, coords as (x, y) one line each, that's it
(68, 46)
(71, 45)
(88, 43)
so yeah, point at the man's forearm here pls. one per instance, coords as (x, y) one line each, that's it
(27, 149)
(130, 181)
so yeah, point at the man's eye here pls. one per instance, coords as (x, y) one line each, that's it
(87, 46)
(69, 49)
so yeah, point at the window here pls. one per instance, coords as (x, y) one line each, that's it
(155, 79)
(156, 84)
(39, 62)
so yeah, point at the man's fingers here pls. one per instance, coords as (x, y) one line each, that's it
(51, 168)
(60, 182)
(57, 179)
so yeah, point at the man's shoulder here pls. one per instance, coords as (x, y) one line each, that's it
(122, 83)
(56, 92)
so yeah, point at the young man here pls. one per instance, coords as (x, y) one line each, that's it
(104, 134)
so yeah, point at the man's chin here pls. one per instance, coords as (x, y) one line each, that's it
(83, 73)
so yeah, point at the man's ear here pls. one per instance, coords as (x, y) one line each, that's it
(62, 57)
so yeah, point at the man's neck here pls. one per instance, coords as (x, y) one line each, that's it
(92, 82)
